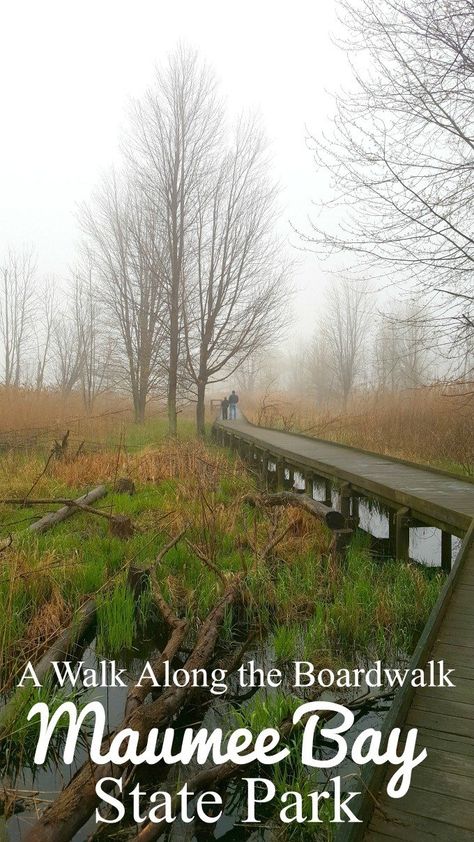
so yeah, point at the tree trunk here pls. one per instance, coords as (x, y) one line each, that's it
(139, 406)
(201, 409)
(51, 519)
(173, 378)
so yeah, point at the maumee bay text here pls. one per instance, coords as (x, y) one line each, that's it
(240, 747)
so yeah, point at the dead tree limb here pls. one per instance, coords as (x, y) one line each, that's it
(275, 540)
(137, 695)
(207, 561)
(59, 650)
(51, 519)
(331, 517)
(210, 778)
(74, 805)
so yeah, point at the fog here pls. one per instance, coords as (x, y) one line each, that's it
(69, 69)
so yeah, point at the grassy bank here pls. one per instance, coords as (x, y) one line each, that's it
(187, 484)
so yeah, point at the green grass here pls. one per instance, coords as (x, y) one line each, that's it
(377, 610)
(155, 429)
(116, 620)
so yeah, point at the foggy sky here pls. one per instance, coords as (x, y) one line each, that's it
(67, 70)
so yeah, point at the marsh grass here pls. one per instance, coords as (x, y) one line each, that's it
(307, 603)
(377, 610)
(431, 425)
(290, 775)
(20, 735)
(116, 620)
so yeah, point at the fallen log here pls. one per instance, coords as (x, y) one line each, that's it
(137, 694)
(59, 650)
(62, 646)
(120, 525)
(206, 779)
(331, 517)
(75, 804)
(52, 518)
(213, 776)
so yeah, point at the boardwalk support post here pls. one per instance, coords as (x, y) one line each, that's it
(346, 501)
(341, 541)
(291, 477)
(402, 535)
(308, 484)
(355, 511)
(446, 551)
(328, 492)
(392, 546)
(280, 474)
(264, 467)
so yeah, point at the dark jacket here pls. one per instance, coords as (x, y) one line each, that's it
(233, 398)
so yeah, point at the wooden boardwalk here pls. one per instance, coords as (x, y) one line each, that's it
(435, 497)
(440, 801)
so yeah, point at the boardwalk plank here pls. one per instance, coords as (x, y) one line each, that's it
(462, 692)
(458, 764)
(456, 812)
(444, 707)
(445, 724)
(443, 781)
(458, 744)
(412, 828)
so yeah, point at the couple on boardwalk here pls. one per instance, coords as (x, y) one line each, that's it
(229, 407)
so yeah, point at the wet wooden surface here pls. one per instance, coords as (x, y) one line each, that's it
(432, 495)
(440, 801)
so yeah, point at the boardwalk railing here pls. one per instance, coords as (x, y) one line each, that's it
(373, 776)
(414, 495)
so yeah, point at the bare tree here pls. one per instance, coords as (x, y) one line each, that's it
(344, 333)
(124, 246)
(175, 129)
(66, 352)
(233, 306)
(248, 373)
(17, 276)
(319, 369)
(95, 345)
(44, 331)
(400, 160)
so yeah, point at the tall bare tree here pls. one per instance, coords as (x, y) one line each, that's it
(236, 287)
(345, 333)
(175, 129)
(96, 344)
(44, 331)
(124, 247)
(319, 369)
(17, 278)
(402, 357)
(400, 156)
(67, 346)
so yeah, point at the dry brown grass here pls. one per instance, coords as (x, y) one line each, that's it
(431, 426)
(168, 460)
(27, 410)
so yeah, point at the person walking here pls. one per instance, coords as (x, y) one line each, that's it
(233, 401)
(224, 408)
